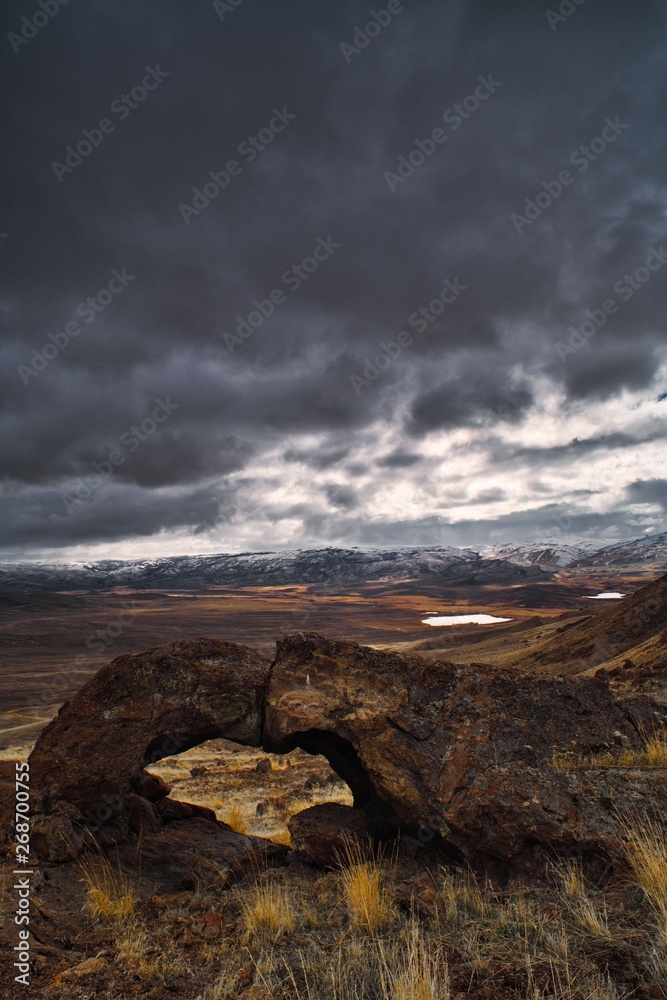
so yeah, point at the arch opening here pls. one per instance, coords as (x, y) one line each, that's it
(253, 790)
(344, 760)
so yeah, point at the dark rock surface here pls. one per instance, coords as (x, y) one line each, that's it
(322, 834)
(461, 757)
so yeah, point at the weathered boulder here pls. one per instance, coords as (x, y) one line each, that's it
(136, 710)
(454, 756)
(150, 786)
(323, 833)
(462, 754)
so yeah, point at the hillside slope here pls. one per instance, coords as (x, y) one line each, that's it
(593, 640)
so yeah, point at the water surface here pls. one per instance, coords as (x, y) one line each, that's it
(463, 620)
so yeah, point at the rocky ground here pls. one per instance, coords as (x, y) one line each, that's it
(349, 823)
(239, 921)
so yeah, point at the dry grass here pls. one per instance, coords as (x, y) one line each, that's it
(341, 937)
(646, 853)
(462, 896)
(531, 929)
(269, 910)
(366, 881)
(652, 757)
(154, 959)
(656, 751)
(405, 967)
(415, 971)
(571, 878)
(235, 817)
(111, 896)
(592, 919)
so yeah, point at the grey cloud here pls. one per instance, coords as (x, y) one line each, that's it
(322, 176)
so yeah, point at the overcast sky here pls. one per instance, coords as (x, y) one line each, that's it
(504, 162)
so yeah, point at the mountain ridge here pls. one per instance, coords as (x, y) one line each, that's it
(449, 565)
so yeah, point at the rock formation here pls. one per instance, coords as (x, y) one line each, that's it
(87, 766)
(462, 755)
(459, 757)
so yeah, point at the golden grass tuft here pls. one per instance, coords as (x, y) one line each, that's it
(111, 896)
(646, 853)
(366, 883)
(656, 751)
(269, 910)
(571, 878)
(462, 896)
(152, 958)
(236, 818)
(414, 972)
(652, 757)
(592, 919)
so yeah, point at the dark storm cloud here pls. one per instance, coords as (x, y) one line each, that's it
(321, 178)
(574, 451)
(50, 518)
(652, 491)
(317, 459)
(399, 460)
(554, 522)
(341, 496)
(599, 375)
(460, 403)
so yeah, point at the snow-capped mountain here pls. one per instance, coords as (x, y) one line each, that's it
(448, 566)
(649, 550)
(453, 566)
(545, 555)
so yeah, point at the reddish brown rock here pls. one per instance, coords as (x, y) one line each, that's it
(136, 710)
(142, 816)
(171, 858)
(150, 786)
(440, 752)
(321, 834)
(420, 894)
(460, 754)
(171, 809)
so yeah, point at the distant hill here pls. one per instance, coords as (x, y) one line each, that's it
(640, 554)
(544, 555)
(596, 639)
(446, 566)
(443, 565)
(651, 654)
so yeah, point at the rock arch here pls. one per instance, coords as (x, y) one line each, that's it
(463, 755)
(381, 818)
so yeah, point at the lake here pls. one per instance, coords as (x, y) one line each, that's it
(463, 620)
